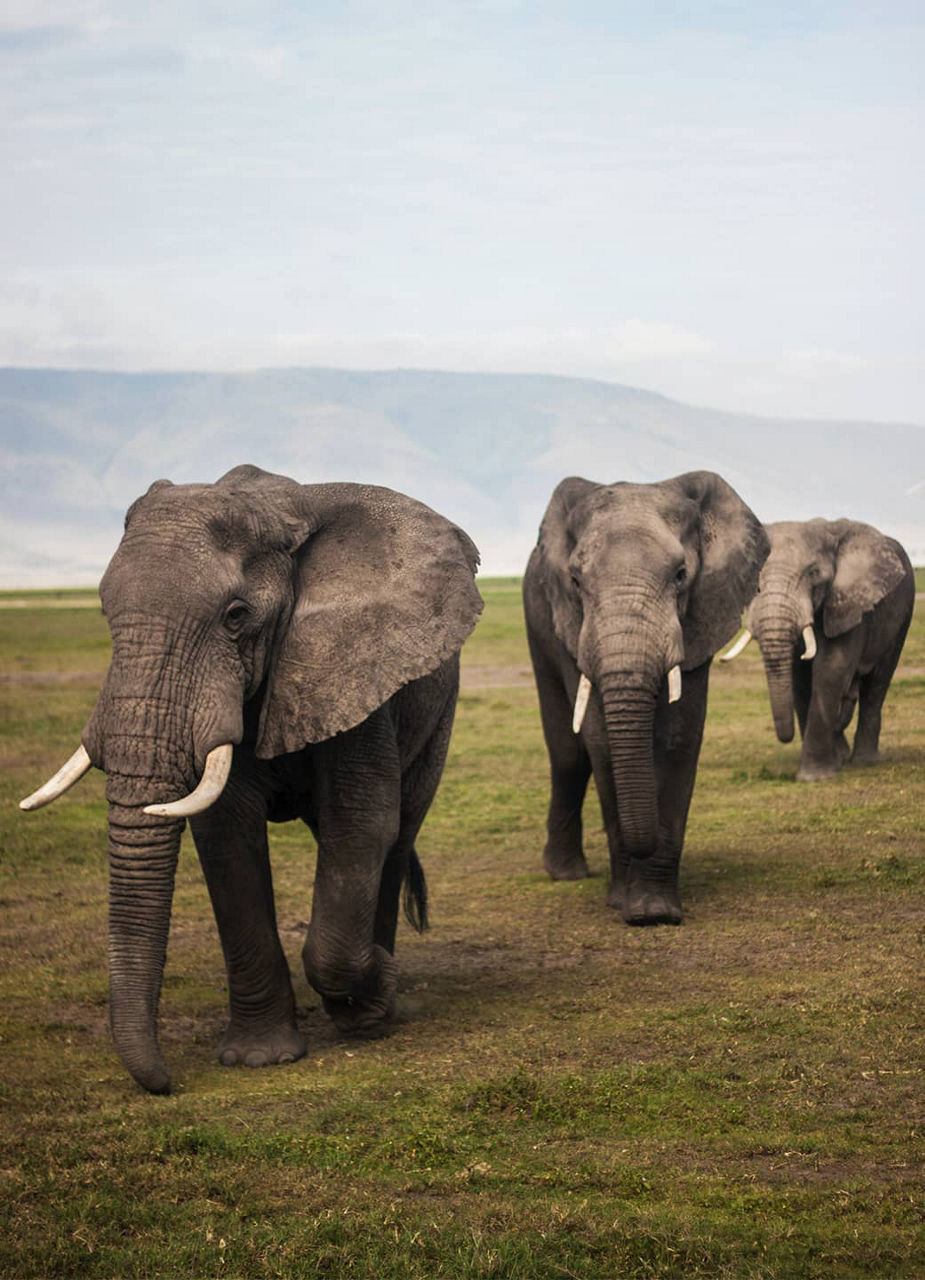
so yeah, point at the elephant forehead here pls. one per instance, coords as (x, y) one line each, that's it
(632, 514)
(173, 567)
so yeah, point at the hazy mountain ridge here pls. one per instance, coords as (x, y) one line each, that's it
(485, 449)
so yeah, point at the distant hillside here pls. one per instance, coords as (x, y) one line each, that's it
(485, 449)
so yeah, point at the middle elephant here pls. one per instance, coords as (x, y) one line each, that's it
(628, 586)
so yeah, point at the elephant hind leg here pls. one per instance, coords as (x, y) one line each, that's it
(403, 877)
(873, 691)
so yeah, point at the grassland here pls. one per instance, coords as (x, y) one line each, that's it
(562, 1096)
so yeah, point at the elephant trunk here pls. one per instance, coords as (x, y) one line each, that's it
(777, 652)
(778, 616)
(146, 743)
(629, 713)
(142, 863)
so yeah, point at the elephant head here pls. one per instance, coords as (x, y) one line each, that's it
(259, 609)
(645, 581)
(820, 574)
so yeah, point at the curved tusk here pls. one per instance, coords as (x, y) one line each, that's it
(62, 781)
(211, 786)
(737, 647)
(581, 703)
(674, 684)
(809, 640)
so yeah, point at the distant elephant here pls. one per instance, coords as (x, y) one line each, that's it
(834, 603)
(630, 584)
(279, 651)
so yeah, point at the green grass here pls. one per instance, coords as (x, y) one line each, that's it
(739, 1098)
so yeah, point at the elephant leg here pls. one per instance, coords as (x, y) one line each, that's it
(649, 893)
(420, 779)
(231, 840)
(825, 747)
(872, 694)
(802, 691)
(569, 772)
(356, 790)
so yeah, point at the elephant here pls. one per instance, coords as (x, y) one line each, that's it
(834, 603)
(279, 651)
(628, 586)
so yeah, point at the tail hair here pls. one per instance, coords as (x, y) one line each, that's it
(414, 899)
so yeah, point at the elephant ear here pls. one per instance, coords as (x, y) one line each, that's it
(554, 547)
(868, 566)
(385, 593)
(733, 547)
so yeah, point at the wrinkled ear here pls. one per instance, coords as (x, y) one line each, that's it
(555, 545)
(868, 566)
(733, 547)
(385, 594)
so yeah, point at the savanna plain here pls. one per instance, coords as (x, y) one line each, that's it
(740, 1097)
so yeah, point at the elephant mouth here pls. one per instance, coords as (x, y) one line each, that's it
(582, 697)
(203, 796)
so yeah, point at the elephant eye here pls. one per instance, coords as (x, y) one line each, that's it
(681, 576)
(236, 615)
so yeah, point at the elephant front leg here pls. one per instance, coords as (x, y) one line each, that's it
(825, 747)
(802, 684)
(569, 773)
(357, 821)
(231, 840)
(646, 891)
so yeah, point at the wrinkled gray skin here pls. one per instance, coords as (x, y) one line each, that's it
(317, 628)
(626, 581)
(856, 588)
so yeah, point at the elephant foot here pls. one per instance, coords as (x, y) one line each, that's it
(817, 772)
(643, 904)
(565, 866)
(368, 1010)
(243, 1046)
(863, 757)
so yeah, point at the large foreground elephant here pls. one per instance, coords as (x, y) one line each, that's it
(279, 651)
(834, 603)
(629, 586)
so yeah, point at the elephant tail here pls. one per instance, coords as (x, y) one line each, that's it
(415, 894)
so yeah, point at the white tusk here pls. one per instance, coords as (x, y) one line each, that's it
(211, 786)
(581, 703)
(674, 684)
(63, 780)
(737, 647)
(809, 641)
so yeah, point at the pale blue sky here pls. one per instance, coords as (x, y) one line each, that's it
(722, 202)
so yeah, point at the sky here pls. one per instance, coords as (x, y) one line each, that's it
(721, 202)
